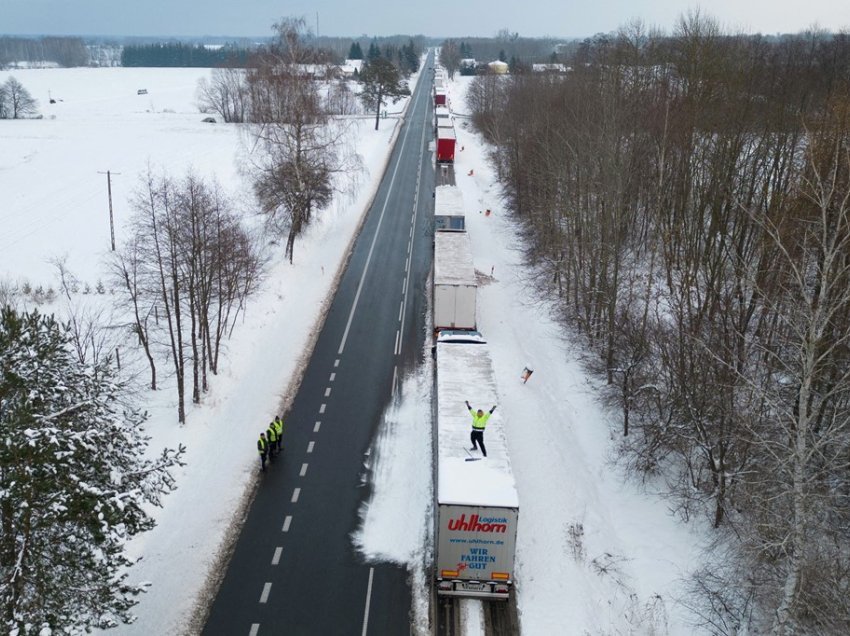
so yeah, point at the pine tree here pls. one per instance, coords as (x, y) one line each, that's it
(381, 80)
(374, 51)
(355, 52)
(73, 483)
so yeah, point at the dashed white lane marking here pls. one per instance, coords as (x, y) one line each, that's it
(316, 427)
(400, 310)
(303, 470)
(295, 494)
(336, 363)
(397, 336)
(286, 523)
(276, 558)
(310, 447)
(267, 588)
(332, 378)
(322, 408)
(327, 391)
(368, 601)
(255, 629)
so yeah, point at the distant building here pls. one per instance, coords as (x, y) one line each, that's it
(498, 67)
(350, 68)
(550, 68)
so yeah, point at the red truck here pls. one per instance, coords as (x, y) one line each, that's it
(446, 140)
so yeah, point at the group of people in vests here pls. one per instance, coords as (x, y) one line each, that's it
(270, 442)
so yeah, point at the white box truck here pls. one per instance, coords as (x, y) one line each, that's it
(455, 285)
(477, 506)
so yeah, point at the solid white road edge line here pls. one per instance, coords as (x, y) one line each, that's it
(368, 601)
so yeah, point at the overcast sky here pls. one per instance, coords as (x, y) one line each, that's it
(387, 17)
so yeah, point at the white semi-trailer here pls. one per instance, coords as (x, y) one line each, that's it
(455, 285)
(477, 506)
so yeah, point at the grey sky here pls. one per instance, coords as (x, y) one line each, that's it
(387, 17)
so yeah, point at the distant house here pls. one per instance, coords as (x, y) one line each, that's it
(498, 67)
(310, 71)
(550, 68)
(350, 68)
(468, 66)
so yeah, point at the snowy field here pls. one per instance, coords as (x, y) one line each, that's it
(595, 554)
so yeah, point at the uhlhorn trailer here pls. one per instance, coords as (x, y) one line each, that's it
(477, 507)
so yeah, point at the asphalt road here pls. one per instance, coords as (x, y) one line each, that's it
(293, 570)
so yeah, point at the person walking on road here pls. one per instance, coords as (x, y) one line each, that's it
(271, 436)
(278, 429)
(479, 423)
(263, 449)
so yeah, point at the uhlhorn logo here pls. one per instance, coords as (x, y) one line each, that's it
(474, 525)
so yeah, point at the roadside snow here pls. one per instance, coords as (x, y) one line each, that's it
(595, 554)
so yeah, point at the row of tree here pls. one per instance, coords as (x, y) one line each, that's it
(186, 272)
(178, 54)
(686, 201)
(63, 51)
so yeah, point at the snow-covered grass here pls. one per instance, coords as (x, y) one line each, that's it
(595, 553)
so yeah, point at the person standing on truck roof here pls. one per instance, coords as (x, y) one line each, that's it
(479, 423)
(278, 429)
(263, 449)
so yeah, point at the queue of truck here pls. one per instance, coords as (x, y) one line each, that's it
(476, 507)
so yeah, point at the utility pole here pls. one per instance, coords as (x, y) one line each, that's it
(109, 192)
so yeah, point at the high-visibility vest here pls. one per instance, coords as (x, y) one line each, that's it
(261, 446)
(278, 428)
(479, 423)
(271, 434)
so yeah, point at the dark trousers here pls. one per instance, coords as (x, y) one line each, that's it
(263, 460)
(477, 437)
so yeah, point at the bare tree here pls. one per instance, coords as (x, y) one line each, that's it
(16, 101)
(190, 259)
(226, 94)
(129, 270)
(299, 146)
(450, 57)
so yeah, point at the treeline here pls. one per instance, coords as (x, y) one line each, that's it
(64, 51)
(686, 204)
(176, 54)
(342, 48)
(185, 273)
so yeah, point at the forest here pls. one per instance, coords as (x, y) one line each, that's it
(62, 51)
(685, 200)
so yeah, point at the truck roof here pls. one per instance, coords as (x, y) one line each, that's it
(446, 133)
(448, 201)
(453, 260)
(464, 372)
